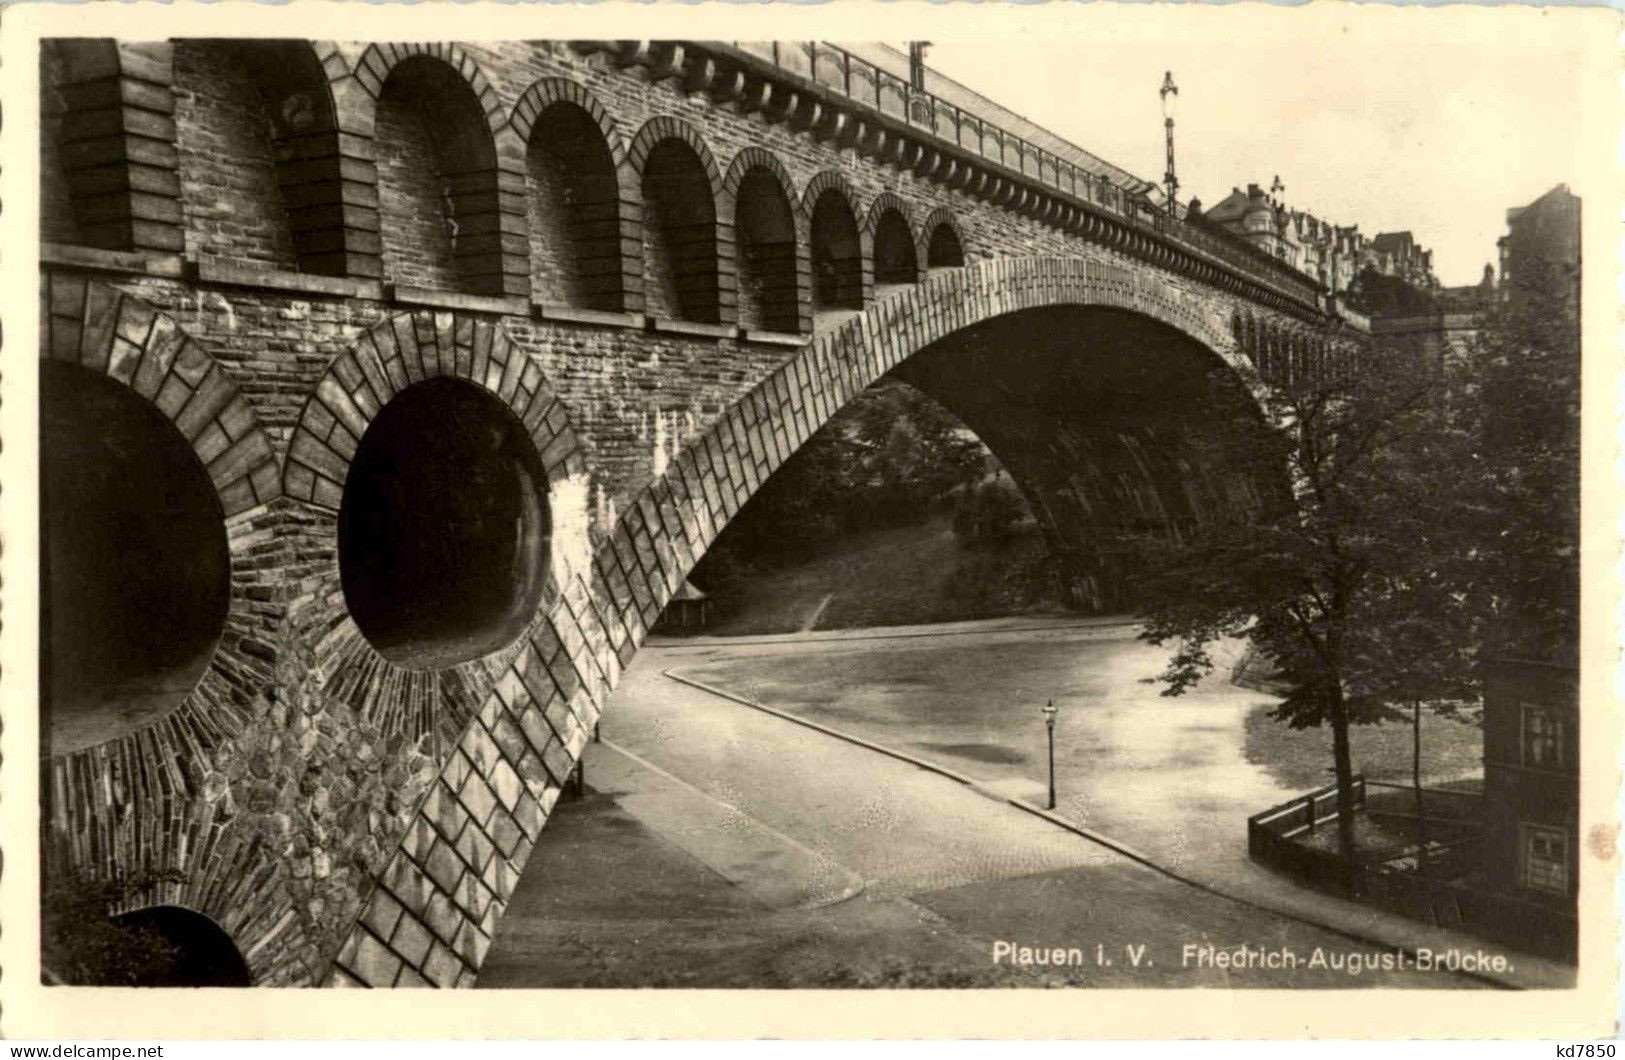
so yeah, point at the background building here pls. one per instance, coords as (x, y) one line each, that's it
(1340, 257)
(1541, 236)
(1444, 322)
(1388, 279)
(1546, 230)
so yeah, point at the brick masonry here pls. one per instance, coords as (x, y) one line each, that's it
(235, 214)
(345, 820)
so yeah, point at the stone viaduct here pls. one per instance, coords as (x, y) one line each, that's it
(389, 390)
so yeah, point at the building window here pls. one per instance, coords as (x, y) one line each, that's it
(1545, 858)
(1542, 737)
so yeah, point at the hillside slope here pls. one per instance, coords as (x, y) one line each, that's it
(897, 576)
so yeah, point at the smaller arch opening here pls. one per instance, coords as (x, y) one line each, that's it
(437, 181)
(444, 526)
(680, 235)
(895, 262)
(135, 568)
(255, 124)
(298, 116)
(837, 256)
(766, 231)
(574, 202)
(944, 251)
(190, 950)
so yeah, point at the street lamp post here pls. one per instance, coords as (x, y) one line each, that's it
(1049, 723)
(1170, 102)
(916, 63)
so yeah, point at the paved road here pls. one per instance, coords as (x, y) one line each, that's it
(947, 873)
(1166, 777)
(899, 827)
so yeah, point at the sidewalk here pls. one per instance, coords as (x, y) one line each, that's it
(765, 863)
(647, 881)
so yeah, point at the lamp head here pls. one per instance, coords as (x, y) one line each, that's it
(1170, 95)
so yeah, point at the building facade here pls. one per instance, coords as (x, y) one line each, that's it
(1546, 230)
(1532, 702)
(1532, 800)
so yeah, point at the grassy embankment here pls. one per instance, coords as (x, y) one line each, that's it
(1301, 758)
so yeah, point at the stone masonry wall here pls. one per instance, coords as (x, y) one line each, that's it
(57, 222)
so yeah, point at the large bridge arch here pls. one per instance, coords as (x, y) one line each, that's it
(432, 910)
(717, 473)
(1105, 418)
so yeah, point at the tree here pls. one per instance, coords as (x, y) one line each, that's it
(1338, 569)
(1517, 389)
(1509, 433)
(1375, 293)
(1416, 646)
(910, 450)
(989, 512)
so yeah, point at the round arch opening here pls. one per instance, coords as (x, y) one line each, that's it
(895, 262)
(135, 566)
(766, 234)
(944, 251)
(188, 949)
(444, 527)
(837, 257)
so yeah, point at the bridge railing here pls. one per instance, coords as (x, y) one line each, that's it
(867, 84)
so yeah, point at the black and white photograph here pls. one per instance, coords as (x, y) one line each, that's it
(1086, 503)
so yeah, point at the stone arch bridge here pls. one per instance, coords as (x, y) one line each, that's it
(388, 391)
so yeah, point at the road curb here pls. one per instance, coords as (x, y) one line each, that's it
(1071, 826)
(753, 640)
